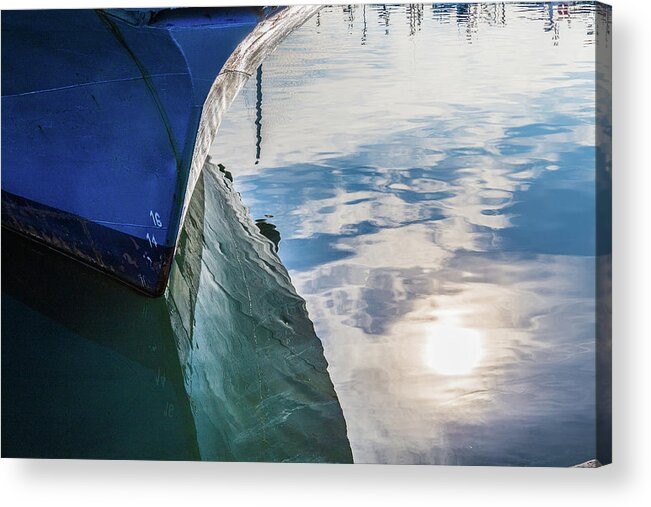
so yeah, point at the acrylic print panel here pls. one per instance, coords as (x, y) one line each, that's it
(367, 233)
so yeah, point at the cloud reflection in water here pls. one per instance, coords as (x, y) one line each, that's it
(434, 189)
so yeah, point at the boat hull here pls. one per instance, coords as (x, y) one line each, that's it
(100, 111)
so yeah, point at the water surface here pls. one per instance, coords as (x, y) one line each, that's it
(413, 250)
(429, 175)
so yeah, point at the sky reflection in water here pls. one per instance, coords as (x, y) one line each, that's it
(430, 171)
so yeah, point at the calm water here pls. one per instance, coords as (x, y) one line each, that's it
(407, 273)
(89, 367)
(430, 172)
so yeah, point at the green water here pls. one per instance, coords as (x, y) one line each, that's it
(226, 367)
(89, 367)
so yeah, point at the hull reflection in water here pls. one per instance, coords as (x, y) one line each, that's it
(254, 368)
(227, 368)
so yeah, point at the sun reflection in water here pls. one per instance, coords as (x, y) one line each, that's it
(452, 349)
(439, 311)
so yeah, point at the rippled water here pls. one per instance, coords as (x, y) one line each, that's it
(409, 271)
(429, 172)
(254, 370)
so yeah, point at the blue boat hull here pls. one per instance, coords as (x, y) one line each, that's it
(100, 111)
